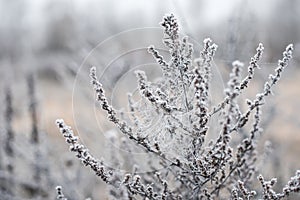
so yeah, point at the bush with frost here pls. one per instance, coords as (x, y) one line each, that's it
(192, 163)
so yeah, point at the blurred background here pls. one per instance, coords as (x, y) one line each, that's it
(48, 46)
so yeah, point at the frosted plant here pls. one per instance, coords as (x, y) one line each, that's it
(190, 165)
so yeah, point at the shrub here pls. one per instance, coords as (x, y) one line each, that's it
(192, 163)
